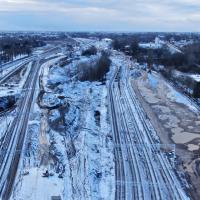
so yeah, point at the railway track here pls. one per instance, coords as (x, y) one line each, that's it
(171, 183)
(135, 183)
(12, 144)
(148, 174)
(9, 74)
(119, 167)
(13, 140)
(128, 175)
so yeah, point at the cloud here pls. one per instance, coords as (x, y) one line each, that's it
(116, 15)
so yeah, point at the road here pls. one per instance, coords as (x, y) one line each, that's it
(17, 67)
(142, 170)
(18, 64)
(12, 144)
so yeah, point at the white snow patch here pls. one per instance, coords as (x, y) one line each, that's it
(196, 77)
(34, 186)
(154, 80)
(180, 98)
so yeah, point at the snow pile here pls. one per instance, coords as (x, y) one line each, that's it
(57, 76)
(50, 100)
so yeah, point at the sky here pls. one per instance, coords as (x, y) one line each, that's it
(100, 15)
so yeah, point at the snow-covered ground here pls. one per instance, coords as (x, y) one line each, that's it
(103, 44)
(14, 86)
(159, 44)
(38, 188)
(69, 135)
(15, 90)
(15, 58)
(155, 80)
(196, 77)
(10, 68)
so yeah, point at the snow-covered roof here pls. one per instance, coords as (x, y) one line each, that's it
(150, 45)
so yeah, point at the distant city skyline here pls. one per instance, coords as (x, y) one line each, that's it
(100, 15)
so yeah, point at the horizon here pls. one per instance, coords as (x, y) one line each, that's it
(106, 32)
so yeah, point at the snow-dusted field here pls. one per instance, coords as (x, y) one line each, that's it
(69, 135)
(68, 149)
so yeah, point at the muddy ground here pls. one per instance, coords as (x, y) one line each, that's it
(175, 122)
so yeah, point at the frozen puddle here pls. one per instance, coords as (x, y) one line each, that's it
(34, 186)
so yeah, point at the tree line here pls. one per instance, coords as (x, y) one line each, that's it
(10, 47)
(188, 61)
(94, 70)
